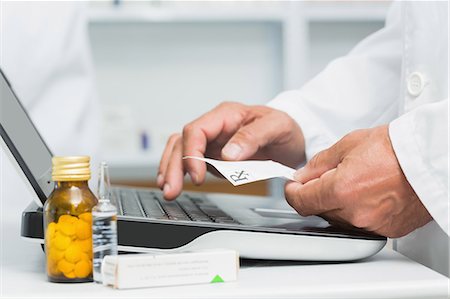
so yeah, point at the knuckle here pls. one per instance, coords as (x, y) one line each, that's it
(178, 145)
(189, 128)
(228, 104)
(283, 118)
(349, 137)
(173, 137)
(354, 135)
(224, 104)
(265, 111)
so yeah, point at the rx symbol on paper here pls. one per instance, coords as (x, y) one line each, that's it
(239, 176)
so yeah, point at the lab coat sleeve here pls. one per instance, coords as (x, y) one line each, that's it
(420, 142)
(359, 90)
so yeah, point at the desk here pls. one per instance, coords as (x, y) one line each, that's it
(387, 274)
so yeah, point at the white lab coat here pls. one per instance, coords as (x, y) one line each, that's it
(398, 75)
(45, 54)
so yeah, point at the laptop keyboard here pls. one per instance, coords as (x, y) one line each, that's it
(151, 204)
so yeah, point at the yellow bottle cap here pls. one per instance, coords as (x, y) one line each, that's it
(71, 168)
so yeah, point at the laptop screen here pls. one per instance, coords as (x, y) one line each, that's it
(24, 141)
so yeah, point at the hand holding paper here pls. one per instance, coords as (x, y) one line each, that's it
(232, 132)
(243, 172)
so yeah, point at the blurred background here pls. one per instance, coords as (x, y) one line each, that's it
(161, 64)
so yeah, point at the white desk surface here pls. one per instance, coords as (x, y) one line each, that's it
(388, 274)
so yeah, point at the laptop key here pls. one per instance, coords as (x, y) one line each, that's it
(193, 211)
(130, 206)
(145, 195)
(213, 212)
(152, 209)
(216, 214)
(174, 211)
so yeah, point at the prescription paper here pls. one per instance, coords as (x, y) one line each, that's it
(244, 172)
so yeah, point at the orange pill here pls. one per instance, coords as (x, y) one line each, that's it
(67, 218)
(51, 230)
(70, 275)
(61, 241)
(67, 228)
(55, 255)
(82, 269)
(65, 267)
(73, 253)
(52, 269)
(85, 245)
(87, 217)
(85, 256)
(83, 230)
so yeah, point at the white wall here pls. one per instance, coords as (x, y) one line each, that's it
(168, 74)
(159, 68)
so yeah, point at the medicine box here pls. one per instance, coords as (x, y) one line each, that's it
(153, 270)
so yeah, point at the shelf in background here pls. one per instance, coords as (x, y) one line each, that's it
(349, 12)
(316, 11)
(172, 14)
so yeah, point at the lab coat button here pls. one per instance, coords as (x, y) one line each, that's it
(415, 84)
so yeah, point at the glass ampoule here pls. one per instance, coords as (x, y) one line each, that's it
(104, 224)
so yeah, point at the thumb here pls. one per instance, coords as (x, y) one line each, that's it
(319, 164)
(248, 140)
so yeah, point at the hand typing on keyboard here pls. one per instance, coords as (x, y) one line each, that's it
(232, 132)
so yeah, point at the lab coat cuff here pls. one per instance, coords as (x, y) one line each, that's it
(433, 195)
(317, 138)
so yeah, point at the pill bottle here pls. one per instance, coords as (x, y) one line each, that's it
(68, 221)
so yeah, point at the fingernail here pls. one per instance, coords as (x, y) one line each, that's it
(166, 189)
(159, 180)
(232, 151)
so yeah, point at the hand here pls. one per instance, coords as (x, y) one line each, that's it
(231, 131)
(358, 181)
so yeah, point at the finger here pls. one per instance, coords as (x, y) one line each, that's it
(249, 139)
(223, 120)
(313, 197)
(329, 158)
(319, 164)
(165, 159)
(173, 179)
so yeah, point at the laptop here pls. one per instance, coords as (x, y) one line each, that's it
(257, 227)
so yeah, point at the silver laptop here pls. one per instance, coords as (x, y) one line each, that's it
(257, 227)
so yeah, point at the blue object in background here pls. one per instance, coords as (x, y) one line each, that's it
(145, 144)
